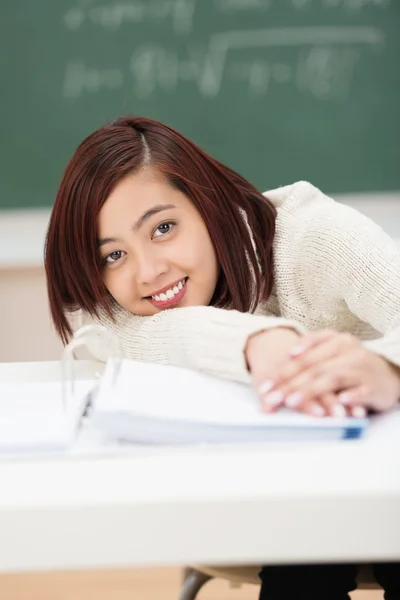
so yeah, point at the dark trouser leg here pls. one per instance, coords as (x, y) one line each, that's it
(388, 577)
(311, 582)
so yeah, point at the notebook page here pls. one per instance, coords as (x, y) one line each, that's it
(182, 395)
(33, 415)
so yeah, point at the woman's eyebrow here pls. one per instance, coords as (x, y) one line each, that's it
(141, 220)
(109, 240)
(149, 213)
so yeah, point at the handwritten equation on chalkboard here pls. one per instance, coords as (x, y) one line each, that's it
(319, 60)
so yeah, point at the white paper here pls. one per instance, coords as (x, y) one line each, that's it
(147, 402)
(32, 415)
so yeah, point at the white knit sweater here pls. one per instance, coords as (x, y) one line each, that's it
(333, 268)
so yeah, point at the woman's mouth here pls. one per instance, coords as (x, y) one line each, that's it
(170, 296)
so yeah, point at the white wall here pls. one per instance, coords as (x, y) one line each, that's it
(25, 329)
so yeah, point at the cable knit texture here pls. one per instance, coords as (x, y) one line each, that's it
(333, 268)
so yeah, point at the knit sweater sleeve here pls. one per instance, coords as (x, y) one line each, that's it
(200, 337)
(353, 260)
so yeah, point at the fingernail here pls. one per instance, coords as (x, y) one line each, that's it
(294, 399)
(274, 398)
(338, 411)
(317, 410)
(359, 412)
(265, 387)
(344, 399)
(297, 350)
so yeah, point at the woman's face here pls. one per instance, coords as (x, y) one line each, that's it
(154, 246)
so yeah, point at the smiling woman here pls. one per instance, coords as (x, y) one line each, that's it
(117, 184)
(156, 251)
(186, 263)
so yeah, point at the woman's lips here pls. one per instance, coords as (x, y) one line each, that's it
(170, 301)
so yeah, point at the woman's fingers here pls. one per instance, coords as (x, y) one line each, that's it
(329, 364)
(322, 407)
(328, 405)
(355, 399)
(308, 386)
(325, 405)
(310, 340)
(313, 359)
(349, 403)
(332, 376)
(275, 400)
(319, 348)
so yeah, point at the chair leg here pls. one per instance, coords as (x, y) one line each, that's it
(192, 584)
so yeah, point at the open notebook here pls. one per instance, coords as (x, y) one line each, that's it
(40, 416)
(150, 404)
(155, 404)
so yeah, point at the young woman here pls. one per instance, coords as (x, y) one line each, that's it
(186, 263)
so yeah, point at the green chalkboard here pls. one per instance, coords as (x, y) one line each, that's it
(280, 90)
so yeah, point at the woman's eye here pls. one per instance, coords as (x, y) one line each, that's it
(113, 257)
(163, 229)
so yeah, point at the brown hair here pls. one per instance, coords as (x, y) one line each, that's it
(239, 219)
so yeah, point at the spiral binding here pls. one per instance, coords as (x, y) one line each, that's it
(80, 339)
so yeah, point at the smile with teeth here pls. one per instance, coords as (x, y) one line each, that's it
(169, 294)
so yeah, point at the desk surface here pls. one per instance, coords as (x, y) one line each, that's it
(271, 503)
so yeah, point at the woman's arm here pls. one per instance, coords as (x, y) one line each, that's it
(209, 339)
(347, 258)
(359, 263)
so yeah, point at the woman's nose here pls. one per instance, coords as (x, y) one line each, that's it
(149, 269)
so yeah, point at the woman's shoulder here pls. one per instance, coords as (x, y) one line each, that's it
(299, 195)
(305, 212)
(316, 234)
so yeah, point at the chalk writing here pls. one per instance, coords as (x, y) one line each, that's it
(79, 78)
(323, 64)
(180, 14)
(231, 6)
(111, 16)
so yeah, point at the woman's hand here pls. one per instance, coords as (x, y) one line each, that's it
(338, 370)
(266, 354)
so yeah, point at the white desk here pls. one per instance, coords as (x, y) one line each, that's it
(166, 506)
